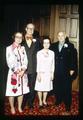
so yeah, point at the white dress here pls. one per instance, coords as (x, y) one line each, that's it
(16, 60)
(45, 66)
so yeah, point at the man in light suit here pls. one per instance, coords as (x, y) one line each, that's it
(65, 69)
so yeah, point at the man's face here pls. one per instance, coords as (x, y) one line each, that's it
(30, 29)
(61, 36)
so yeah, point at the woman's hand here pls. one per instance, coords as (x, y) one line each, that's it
(52, 76)
(17, 71)
(38, 77)
(21, 73)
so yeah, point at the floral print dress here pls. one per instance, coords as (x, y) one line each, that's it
(16, 59)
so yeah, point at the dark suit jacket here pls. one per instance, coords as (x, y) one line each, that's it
(31, 55)
(65, 60)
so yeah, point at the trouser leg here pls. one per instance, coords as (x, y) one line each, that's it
(31, 95)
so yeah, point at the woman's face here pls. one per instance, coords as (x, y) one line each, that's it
(46, 43)
(18, 38)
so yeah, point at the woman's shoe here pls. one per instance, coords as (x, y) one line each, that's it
(40, 106)
(45, 104)
(20, 110)
(13, 111)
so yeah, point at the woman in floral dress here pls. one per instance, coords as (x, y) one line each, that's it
(17, 81)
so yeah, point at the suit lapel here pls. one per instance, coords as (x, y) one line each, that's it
(58, 47)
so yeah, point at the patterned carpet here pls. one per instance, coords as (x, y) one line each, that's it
(50, 110)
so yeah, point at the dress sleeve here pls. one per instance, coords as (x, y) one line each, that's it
(53, 63)
(74, 63)
(10, 59)
(38, 62)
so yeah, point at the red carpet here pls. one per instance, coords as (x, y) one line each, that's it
(50, 110)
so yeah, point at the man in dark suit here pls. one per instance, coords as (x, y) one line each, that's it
(65, 69)
(31, 46)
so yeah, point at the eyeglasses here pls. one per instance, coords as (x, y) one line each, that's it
(30, 28)
(18, 37)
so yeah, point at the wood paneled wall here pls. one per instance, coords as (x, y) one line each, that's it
(62, 18)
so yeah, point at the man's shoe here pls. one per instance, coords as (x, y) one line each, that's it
(31, 107)
(57, 103)
(67, 109)
(66, 113)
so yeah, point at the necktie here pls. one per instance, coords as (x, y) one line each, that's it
(28, 38)
(60, 47)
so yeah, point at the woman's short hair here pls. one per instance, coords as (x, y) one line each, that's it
(13, 36)
(43, 38)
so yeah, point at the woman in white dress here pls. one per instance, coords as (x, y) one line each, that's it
(17, 81)
(45, 72)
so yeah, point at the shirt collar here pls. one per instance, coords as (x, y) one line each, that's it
(14, 45)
